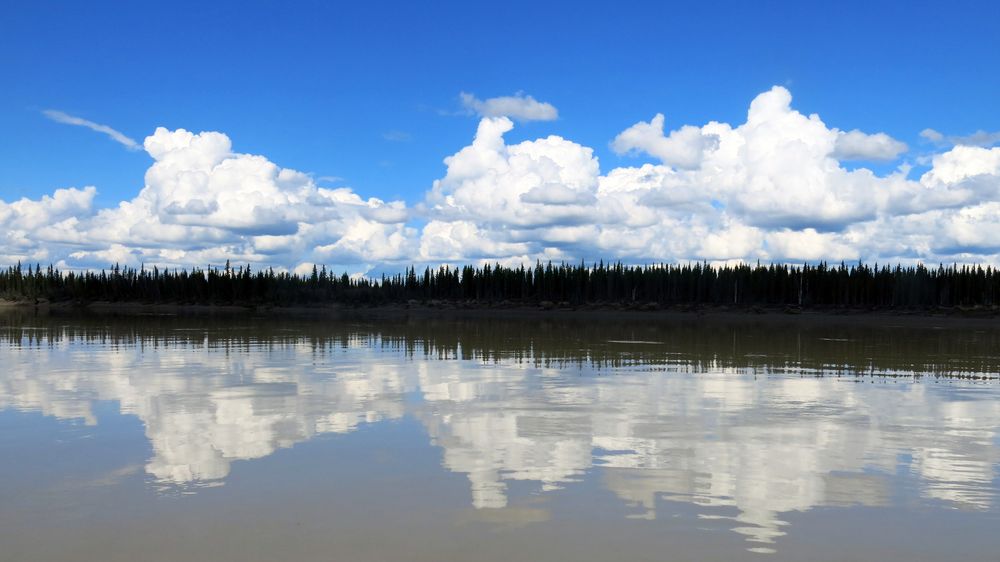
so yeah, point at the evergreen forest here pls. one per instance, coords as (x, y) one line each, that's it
(746, 285)
(819, 285)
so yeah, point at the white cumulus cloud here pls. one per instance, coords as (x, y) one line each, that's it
(204, 204)
(772, 188)
(683, 148)
(519, 107)
(856, 145)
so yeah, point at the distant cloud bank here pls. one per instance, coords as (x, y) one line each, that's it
(772, 188)
(979, 138)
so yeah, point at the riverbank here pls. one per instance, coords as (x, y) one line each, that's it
(646, 312)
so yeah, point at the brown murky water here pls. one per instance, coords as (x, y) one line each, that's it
(243, 438)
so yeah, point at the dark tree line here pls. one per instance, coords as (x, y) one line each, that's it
(821, 285)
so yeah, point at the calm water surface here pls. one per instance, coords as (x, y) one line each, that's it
(242, 438)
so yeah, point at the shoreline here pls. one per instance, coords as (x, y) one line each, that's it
(440, 310)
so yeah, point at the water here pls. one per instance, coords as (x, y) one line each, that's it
(257, 438)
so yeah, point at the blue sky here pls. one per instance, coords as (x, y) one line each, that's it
(316, 87)
(319, 86)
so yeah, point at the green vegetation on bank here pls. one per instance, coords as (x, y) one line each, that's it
(821, 285)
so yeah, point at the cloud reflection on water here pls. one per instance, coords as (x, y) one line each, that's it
(730, 440)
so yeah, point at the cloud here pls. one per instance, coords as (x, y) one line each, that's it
(771, 188)
(964, 163)
(519, 107)
(932, 135)
(686, 146)
(25, 223)
(446, 241)
(117, 136)
(397, 136)
(683, 148)
(979, 138)
(202, 204)
(534, 183)
(856, 145)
